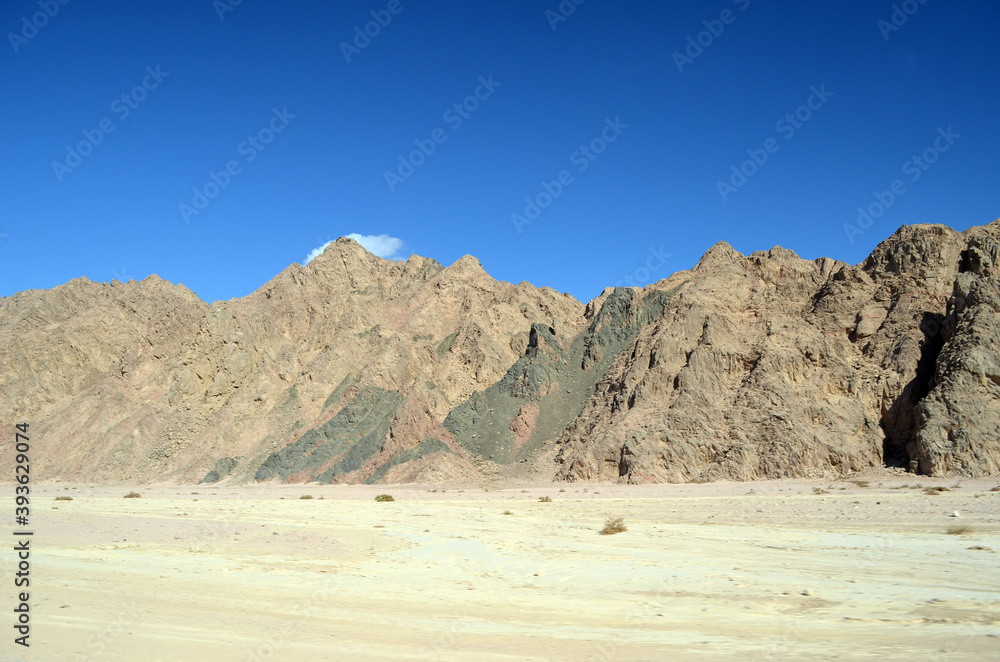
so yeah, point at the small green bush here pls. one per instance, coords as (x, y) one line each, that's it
(384, 497)
(306, 496)
(545, 499)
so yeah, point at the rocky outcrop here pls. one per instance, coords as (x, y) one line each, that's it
(143, 381)
(958, 422)
(771, 366)
(358, 369)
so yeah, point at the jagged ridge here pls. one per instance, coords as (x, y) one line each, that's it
(357, 369)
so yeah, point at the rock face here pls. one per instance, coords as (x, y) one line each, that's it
(358, 369)
(958, 423)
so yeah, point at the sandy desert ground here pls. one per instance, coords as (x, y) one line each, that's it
(751, 571)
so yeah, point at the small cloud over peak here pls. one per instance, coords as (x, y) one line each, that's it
(383, 245)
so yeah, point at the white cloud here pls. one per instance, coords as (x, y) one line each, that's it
(382, 245)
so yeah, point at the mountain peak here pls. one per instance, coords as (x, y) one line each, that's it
(719, 254)
(345, 242)
(466, 265)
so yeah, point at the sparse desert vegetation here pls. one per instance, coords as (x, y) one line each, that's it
(733, 549)
(614, 525)
(132, 495)
(384, 497)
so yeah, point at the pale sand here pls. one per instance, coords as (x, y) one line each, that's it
(704, 572)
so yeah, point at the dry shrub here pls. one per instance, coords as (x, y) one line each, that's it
(64, 498)
(545, 499)
(959, 529)
(614, 525)
(306, 496)
(132, 495)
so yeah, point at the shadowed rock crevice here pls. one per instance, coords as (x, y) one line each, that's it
(899, 422)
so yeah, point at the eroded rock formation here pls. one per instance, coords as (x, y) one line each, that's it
(358, 369)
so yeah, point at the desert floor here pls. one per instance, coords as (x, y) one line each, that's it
(752, 571)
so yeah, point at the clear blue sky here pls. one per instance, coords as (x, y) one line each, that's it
(117, 214)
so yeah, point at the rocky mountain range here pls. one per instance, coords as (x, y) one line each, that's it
(358, 369)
